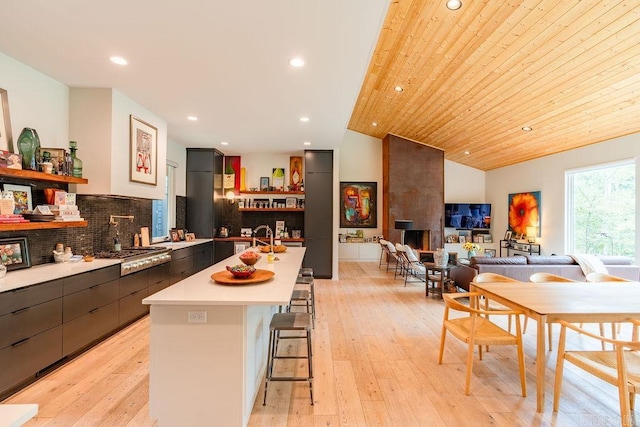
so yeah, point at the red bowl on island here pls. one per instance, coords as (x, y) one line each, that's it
(241, 271)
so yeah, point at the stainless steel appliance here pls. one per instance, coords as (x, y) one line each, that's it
(137, 259)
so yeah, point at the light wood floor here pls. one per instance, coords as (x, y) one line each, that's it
(375, 362)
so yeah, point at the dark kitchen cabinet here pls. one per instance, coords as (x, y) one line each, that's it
(223, 250)
(30, 332)
(190, 260)
(133, 289)
(159, 277)
(205, 196)
(318, 213)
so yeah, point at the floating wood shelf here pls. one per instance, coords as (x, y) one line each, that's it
(271, 209)
(282, 193)
(21, 226)
(39, 176)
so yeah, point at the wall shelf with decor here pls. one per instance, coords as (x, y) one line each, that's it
(284, 193)
(515, 248)
(271, 209)
(40, 176)
(42, 225)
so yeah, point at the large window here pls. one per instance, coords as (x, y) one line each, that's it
(164, 211)
(600, 210)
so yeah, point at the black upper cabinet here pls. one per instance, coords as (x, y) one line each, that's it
(318, 214)
(204, 191)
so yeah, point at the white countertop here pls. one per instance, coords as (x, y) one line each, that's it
(16, 279)
(182, 244)
(200, 289)
(14, 415)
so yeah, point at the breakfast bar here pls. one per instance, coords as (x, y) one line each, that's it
(209, 340)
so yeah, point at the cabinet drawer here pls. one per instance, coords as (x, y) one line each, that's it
(30, 321)
(21, 362)
(80, 303)
(131, 307)
(159, 273)
(86, 280)
(17, 299)
(134, 282)
(182, 253)
(86, 329)
(181, 266)
(157, 287)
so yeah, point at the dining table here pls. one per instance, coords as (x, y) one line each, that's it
(574, 302)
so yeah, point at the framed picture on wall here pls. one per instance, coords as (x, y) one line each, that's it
(143, 156)
(264, 183)
(358, 204)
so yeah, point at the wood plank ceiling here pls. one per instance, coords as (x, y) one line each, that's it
(473, 78)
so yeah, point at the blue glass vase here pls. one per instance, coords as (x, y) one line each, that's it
(29, 148)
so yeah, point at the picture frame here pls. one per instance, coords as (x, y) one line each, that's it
(180, 233)
(462, 239)
(57, 158)
(175, 237)
(143, 152)
(508, 234)
(264, 183)
(189, 237)
(14, 253)
(524, 210)
(491, 253)
(6, 137)
(22, 197)
(291, 202)
(358, 205)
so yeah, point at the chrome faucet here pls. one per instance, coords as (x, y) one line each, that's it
(269, 234)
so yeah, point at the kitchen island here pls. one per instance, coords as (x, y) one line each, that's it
(209, 341)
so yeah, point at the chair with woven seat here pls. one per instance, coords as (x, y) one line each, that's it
(401, 261)
(492, 305)
(619, 367)
(391, 254)
(414, 268)
(542, 277)
(604, 277)
(477, 329)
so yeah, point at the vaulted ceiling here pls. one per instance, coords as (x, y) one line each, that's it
(473, 78)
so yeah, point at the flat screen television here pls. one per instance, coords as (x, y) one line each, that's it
(467, 216)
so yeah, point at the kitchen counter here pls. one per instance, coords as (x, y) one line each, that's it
(42, 273)
(182, 244)
(250, 239)
(209, 343)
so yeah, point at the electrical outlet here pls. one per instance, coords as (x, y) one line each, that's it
(197, 317)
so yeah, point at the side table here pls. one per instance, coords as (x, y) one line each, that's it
(436, 275)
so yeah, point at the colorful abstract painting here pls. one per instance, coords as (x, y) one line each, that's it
(358, 204)
(524, 211)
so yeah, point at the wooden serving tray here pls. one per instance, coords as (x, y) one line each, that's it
(226, 278)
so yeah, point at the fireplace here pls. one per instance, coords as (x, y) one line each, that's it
(418, 239)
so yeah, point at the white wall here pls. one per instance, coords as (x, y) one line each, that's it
(36, 101)
(360, 159)
(547, 175)
(259, 165)
(463, 184)
(177, 154)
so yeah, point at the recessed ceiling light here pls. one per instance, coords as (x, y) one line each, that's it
(192, 118)
(454, 4)
(467, 152)
(118, 60)
(398, 89)
(304, 119)
(374, 124)
(224, 143)
(296, 62)
(527, 128)
(307, 143)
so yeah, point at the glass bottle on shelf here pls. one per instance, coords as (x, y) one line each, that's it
(29, 148)
(76, 162)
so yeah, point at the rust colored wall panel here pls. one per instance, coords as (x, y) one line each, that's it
(413, 188)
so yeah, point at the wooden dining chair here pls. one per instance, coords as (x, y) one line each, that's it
(619, 367)
(477, 329)
(492, 305)
(604, 277)
(542, 277)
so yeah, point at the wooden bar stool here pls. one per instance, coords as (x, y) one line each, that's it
(288, 322)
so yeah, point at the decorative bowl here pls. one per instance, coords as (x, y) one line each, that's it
(250, 258)
(241, 271)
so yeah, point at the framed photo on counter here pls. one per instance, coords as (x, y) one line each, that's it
(14, 253)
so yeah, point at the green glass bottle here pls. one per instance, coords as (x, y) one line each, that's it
(29, 148)
(77, 163)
